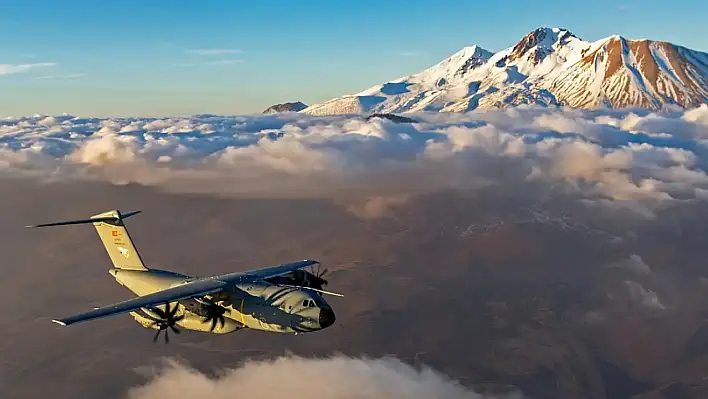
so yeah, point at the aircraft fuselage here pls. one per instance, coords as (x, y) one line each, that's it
(256, 305)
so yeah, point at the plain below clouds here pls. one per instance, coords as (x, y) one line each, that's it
(295, 377)
(637, 158)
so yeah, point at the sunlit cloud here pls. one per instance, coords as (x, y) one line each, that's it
(610, 159)
(339, 377)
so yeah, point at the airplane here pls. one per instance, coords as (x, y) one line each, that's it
(282, 299)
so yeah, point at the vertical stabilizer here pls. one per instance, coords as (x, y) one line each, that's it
(114, 236)
(117, 242)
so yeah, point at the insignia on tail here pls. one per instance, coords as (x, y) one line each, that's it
(116, 240)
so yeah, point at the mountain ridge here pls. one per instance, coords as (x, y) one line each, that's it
(294, 106)
(549, 67)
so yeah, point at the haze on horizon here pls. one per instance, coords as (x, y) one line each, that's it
(135, 59)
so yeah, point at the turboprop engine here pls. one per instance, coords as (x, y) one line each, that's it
(159, 319)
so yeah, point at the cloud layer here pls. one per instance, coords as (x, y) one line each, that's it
(295, 377)
(607, 157)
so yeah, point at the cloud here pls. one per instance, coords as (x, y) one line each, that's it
(214, 51)
(9, 69)
(297, 377)
(409, 53)
(375, 207)
(625, 160)
(643, 296)
(61, 77)
(225, 62)
(634, 264)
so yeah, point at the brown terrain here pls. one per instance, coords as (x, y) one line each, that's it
(489, 288)
(690, 93)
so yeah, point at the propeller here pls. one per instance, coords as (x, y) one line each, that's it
(215, 313)
(318, 281)
(167, 320)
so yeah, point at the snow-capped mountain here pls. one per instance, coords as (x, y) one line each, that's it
(549, 66)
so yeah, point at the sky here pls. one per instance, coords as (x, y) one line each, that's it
(162, 58)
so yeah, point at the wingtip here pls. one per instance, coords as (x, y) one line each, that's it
(61, 323)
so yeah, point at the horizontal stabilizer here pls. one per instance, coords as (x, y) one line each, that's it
(108, 219)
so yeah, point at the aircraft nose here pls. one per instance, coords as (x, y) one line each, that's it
(326, 317)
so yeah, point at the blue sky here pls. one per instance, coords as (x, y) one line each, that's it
(129, 57)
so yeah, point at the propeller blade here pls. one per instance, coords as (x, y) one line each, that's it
(175, 330)
(157, 335)
(167, 338)
(159, 312)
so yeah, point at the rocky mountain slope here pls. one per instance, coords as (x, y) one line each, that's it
(549, 66)
(285, 107)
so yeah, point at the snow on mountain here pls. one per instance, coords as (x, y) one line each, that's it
(549, 66)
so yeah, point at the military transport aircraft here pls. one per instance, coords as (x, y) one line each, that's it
(283, 299)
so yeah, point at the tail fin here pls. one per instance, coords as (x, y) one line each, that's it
(114, 235)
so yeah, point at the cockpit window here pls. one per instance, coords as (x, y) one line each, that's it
(308, 303)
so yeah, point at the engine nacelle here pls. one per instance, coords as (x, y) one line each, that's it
(190, 321)
(143, 320)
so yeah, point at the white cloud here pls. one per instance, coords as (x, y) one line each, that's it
(67, 76)
(9, 69)
(380, 163)
(214, 51)
(333, 378)
(225, 62)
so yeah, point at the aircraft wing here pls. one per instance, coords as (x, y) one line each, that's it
(266, 272)
(184, 291)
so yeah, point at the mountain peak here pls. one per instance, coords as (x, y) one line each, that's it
(548, 66)
(474, 50)
(547, 35)
(538, 43)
